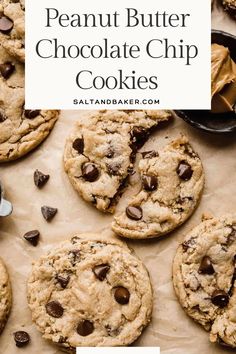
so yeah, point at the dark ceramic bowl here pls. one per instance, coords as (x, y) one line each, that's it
(203, 119)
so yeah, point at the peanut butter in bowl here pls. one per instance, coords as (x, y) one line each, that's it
(223, 80)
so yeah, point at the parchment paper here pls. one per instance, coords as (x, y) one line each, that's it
(170, 328)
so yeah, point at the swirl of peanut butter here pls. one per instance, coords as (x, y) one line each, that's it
(223, 80)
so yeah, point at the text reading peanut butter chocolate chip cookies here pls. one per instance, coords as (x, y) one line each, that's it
(12, 27)
(20, 130)
(172, 182)
(99, 155)
(5, 296)
(204, 277)
(90, 292)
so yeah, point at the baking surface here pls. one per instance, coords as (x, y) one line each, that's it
(170, 328)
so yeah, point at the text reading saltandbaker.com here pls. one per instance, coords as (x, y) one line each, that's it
(155, 48)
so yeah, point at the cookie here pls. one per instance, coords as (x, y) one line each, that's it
(90, 292)
(204, 277)
(5, 296)
(100, 153)
(20, 130)
(230, 7)
(12, 27)
(172, 181)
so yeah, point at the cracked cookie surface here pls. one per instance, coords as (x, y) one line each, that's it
(99, 155)
(204, 277)
(5, 296)
(20, 130)
(90, 292)
(12, 27)
(172, 183)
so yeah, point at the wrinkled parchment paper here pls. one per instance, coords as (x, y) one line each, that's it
(170, 328)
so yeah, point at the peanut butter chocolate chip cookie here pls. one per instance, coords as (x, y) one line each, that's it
(12, 27)
(172, 183)
(230, 7)
(5, 296)
(21, 130)
(99, 155)
(90, 292)
(204, 277)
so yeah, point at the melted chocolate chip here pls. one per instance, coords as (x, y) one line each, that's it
(188, 244)
(122, 295)
(149, 183)
(101, 271)
(149, 154)
(6, 24)
(54, 309)
(206, 266)
(113, 169)
(7, 69)
(134, 213)
(90, 172)
(2, 116)
(85, 328)
(30, 114)
(63, 281)
(78, 145)
(231, 237)
(32, 237)
(40, 179)
(110, 153)
(184, 170)
(139, 136)
(48, 212)
(75, 256)
(21, 338)
(220, 298)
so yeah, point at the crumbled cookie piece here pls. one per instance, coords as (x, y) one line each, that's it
(100, 153)
(172, 183)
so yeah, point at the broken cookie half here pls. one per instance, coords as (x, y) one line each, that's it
(100, 153)
(172, 183)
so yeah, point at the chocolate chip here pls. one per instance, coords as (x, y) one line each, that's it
(149, 183)
(48, 212)
(206, 266)
(21, 338)
(90, 172)
(54, 309)
(85, 328)
(134, 213)
(63, 281)
(30, 114)
(40, 179)
(149, 154)
(220, 298)
(2, 116)
(110, 153)
(188, 244)
(6, 24)
(78, 145)
(184, 171)
(101, 271)
(75, 256)
(32, 237)
(122, 295)
(7, 69)
(113, 169)
(139, 136)
(231, 237)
